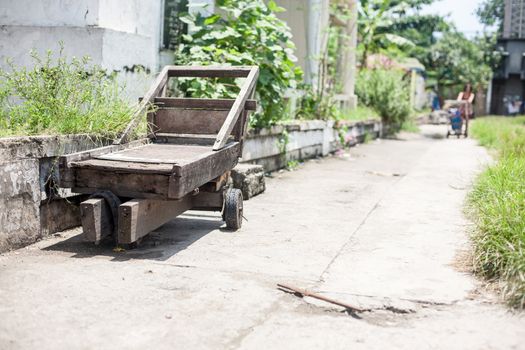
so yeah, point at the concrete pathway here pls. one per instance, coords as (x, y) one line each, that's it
(380, 227)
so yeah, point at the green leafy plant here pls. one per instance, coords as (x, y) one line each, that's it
(317, 104)
(282, 142)
(242, 33)
(376, 21)
(292, 165)
(387, 92)
(60, 96)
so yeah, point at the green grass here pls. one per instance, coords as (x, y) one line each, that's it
(410, 125)
(497, 205)
(61, 96)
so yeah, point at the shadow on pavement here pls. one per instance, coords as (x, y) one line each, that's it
(161, 244)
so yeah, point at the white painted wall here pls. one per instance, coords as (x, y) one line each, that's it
(119, 35)
(308, 21)
(78, 13)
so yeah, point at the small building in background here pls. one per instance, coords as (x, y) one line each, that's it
(508, 84)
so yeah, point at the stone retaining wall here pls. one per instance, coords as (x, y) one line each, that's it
(30, 204)
(274, 147)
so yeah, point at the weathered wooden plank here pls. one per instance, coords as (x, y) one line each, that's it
(123, 184)
(187, 177)
(96, 219)
(236, 109)
(189, 121)
(209, 71)
(138, 217)
(127, 194)
(66, 178)
(216, 184)
(144, 104)
(108, 167)
(203, 103)
(158, 153)
(185, 139)
(207, 201)
(246, 122)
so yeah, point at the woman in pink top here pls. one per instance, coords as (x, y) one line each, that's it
(468, 96)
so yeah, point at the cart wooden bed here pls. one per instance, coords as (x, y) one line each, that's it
(183, 163)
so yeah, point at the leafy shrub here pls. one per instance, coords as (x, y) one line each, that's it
(242, 33)
(60, 96)
(387, 92)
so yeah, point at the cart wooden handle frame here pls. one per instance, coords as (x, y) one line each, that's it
(183, 163)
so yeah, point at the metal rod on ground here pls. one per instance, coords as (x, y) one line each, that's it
(306, 293)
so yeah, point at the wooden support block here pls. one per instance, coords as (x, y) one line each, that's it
(138, 217)
(97, 222)
(208, 201)
(216, 184)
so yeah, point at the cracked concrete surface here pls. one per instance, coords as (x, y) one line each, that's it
(380, 227)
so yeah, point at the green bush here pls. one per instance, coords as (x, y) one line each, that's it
(60, 96)
(242, 33)
(387, 92)
(497, 205)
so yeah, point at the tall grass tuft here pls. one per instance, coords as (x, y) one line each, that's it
(497, 203)
(61, 96)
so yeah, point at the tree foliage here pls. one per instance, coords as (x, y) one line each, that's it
(375, 22)
(449, 57)
(456, 59)
(491, 13)
(242, 33)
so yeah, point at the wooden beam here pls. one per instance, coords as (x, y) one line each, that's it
(204, 103)
(66, 178)
(185, 139)
(208, 201)
(236, 110)
(96, 219)
(148, 99)
(187, 177)
(138, 217)
(209, 71)
(189, 121)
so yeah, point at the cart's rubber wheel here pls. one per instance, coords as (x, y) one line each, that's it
(232, 213)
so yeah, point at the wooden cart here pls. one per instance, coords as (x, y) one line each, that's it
(183, 164)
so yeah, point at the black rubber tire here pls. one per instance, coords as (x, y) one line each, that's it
(232, 213)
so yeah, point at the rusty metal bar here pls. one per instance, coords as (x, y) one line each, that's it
(306, 293)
